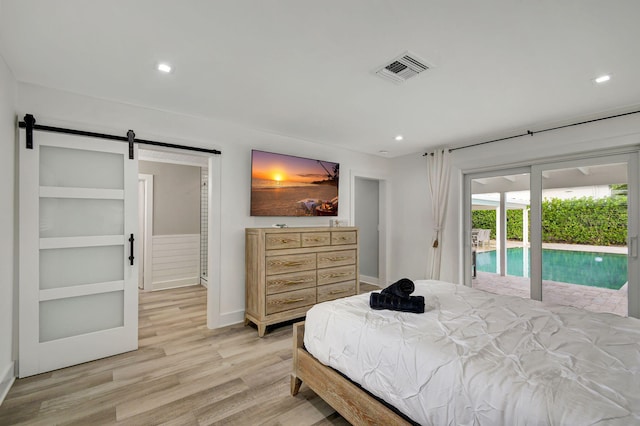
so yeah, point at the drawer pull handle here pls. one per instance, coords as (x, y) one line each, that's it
(290, 301)
(293, 263)
(338, 258)
(294, 282)
(338, 291)
(337, 274)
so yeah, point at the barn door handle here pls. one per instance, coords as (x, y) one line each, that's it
(131, 239)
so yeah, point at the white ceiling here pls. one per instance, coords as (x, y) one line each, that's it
(303, 68)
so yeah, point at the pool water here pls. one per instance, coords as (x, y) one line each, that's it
(604, 270)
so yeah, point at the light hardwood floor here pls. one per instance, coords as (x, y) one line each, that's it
(182, 374)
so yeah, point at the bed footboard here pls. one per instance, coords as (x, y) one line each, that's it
(354, 403)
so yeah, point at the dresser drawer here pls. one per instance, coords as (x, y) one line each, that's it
(282, 241)
(335, 275)
(290, 263)
(336, 258)
(343, 237)
(336, 291)
(288, 282)
(290, 300)
(315, 239)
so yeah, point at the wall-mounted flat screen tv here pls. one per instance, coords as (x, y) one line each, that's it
(284, 185)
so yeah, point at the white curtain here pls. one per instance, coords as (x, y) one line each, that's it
(438, 170)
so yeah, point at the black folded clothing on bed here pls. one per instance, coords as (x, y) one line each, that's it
(401, 288)
(414, 304)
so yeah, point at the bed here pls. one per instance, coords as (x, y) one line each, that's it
(473, 358)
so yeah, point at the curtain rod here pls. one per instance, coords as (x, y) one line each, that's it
(30, 125)
(533, 132)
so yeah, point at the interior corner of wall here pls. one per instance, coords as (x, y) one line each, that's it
(7, 377)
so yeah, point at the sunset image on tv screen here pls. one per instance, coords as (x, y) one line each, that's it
(284, 185)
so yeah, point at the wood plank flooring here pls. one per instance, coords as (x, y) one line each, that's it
(182, 374)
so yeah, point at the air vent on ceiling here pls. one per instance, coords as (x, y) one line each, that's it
(402, 68)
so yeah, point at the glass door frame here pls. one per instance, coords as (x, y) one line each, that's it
(633, 214)
(630, 157)
(467, 205)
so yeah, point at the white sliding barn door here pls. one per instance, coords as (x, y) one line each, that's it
(78, 296)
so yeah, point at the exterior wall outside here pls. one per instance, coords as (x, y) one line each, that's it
(599, 191)
(8, 295)
(54, 107)
(596, 191)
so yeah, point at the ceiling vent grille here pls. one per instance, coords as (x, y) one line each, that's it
(402, 68)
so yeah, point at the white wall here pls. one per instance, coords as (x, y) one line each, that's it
(176, 197)
(7, 200)
(59, 108)
(411, 205)
(410, 218)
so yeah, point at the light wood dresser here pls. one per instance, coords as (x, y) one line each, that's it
(289, 270)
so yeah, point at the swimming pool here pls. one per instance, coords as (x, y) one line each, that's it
(604, 270)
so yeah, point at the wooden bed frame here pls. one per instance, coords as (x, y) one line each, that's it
(355, 404)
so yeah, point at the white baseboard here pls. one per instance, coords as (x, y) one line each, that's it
(182, 282)
(370, 280)
(231, 318)
(6, 380)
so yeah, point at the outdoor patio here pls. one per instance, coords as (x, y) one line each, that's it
(580, 296)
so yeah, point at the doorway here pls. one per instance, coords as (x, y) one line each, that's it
(78, 209)
(369, 215)
(173, 219)
(211, 221)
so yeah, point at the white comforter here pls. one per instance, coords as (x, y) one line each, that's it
(474, 358)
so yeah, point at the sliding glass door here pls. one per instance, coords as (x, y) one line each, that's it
(586, 222)
(500, 233)
(581, 246)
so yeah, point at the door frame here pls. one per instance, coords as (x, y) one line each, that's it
(467, 259)
(633, 220)
(147, 245)
(215, 318)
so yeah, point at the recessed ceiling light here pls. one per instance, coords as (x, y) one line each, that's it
(399, 138)
(164, 67)
(603, 78)
(383, 152)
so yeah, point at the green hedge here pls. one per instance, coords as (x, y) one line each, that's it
(601, 222)
(486, 219)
